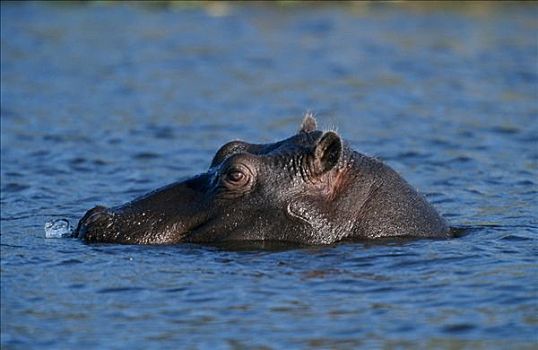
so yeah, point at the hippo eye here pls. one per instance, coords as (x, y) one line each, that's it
(236, 177)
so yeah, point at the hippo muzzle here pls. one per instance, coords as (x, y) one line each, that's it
(167, 215)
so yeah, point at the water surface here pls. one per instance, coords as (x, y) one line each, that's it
(101, 104)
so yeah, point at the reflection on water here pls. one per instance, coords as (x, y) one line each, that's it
(103, 103)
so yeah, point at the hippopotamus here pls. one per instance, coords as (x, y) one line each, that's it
(311, 188)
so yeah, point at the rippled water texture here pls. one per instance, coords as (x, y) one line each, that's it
(103, 103)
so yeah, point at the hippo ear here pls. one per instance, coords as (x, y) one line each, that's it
(309, 123)
(327, 152)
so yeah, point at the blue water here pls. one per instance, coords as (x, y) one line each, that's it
(102, 103)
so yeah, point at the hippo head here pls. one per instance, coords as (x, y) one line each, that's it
(311, 188)
(284, 191)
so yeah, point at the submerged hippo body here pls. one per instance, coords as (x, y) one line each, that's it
(311, 188)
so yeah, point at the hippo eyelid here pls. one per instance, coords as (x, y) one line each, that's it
(236, 175)
(245, 170)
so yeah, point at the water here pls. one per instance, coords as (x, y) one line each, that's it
(58, 228)
(103, 103)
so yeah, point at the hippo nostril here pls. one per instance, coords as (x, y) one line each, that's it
(94, 215)
(98, 216)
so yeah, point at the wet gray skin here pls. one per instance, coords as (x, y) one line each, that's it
(311, 188)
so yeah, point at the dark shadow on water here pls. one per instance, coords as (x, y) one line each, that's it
(279, 246)
(455, 232)
(245, 246)
(461, 231)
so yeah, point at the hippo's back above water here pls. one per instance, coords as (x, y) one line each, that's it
(311, 188)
